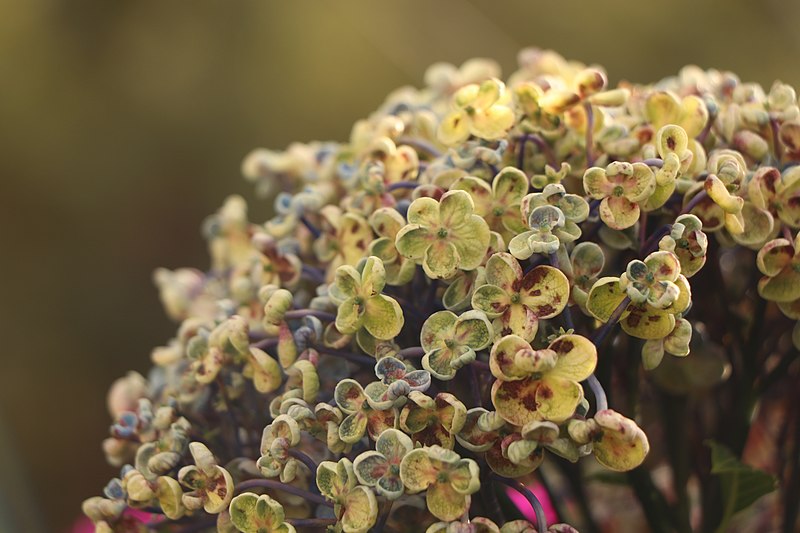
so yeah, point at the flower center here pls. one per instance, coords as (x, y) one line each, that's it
(618, 191)
(442, 233)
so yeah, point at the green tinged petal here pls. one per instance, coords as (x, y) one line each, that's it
(417, 470)
(383, 317)
(445, 503)
(604, 297)
(350, 316)
(441, 260)
(413, 241)
(436, 329)
(360, 510)
(577, 357)
(369, 467)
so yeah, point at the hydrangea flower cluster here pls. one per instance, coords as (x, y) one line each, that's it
(422, 319)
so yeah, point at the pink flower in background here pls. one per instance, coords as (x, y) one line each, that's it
(84, 525)
(525, 508)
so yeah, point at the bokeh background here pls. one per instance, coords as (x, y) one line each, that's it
(123, 124)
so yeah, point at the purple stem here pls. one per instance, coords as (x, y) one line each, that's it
(277, 485)
(294, 314)
(314, 274)
(699, 197)
(593, 205)
(414, 351)
(602, 333)
(402, 185)
(419, 145)
(651, 243)
(545, 148)
(311, 227)
(311, 522)
(265, 343)
(521, 151)
(600, 397)
(654, 162)
(541, 521)
(305, 459)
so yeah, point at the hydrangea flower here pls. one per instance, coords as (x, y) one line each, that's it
(644, 320)
(295, 314)
(533, 118)
(676, 343)
(228, 233)
(444, 236)
(574, 208)
(387, 223)
(479, 111)
(380, 468)
(586, 262)
(253, 513)
(779, 261)
(620, 187)
(688, 242)
(450, 341)
(391, 370)
(690, 113)
(513, 451)
(777, 192)
(366, 412)
(447, 479)
(652, 281)
(498, 204)
(211, 351)
(517, 302)
(355, 506)
(535, 385)
(387, 164)
(544, 222)
(361, 303)
(344, 239)
(617, 442)
(278, 437)
(211, 485)
(723, 207)
(551, 176)
(433, 421)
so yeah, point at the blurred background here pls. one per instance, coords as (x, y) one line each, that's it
(123, 124)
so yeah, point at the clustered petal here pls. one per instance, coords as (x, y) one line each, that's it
(407, 316)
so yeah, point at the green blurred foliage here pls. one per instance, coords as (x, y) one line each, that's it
(123, 123)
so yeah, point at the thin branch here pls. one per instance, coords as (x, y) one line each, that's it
(600, 334)
(277, 485)
(419, 145)
(294, 314)
(599, 392)
(541, 520)
(401, 185)
(303, 458)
